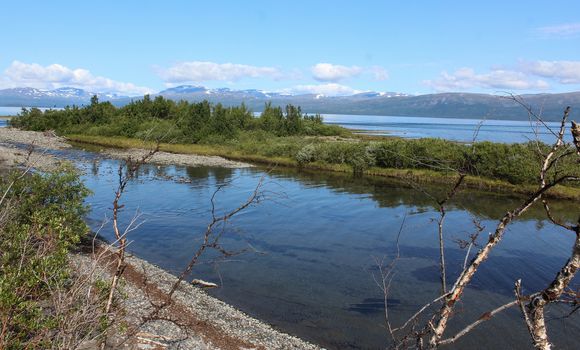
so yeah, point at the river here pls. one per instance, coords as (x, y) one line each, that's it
(311, 248)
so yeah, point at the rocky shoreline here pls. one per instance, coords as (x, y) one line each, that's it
(34, 155)
(39, 142)
(167, 158)
(199, 321)
(195, 320)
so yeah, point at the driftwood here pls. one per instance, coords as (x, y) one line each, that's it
(204, 284)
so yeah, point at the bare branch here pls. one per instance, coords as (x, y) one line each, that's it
(210, 240)
(126, 172)
(387, 275)
(484, 317)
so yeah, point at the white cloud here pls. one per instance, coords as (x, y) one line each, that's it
(566, 29)
(330, 89)
(200, 71)
(20, 74)
(379, 73)
(467, 78)
(334, 72)
(566, 72)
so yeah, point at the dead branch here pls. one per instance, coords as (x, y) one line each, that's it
(126, 172)
(472, 241)
(484, 317)
(436, 325)
(443, 213)
(386, 277)
(534, 310)
(467, 274)
(210, 241)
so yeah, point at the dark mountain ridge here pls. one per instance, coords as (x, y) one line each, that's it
(449, 105)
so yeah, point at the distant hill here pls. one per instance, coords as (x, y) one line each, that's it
(450, 105)
(31, 97)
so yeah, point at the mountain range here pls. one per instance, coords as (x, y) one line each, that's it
(450, 105)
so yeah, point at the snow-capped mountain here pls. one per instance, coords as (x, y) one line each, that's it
(60, 97)
(201, 91)
(452, 105)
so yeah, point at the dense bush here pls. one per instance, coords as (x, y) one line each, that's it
(41, 218)
(286, 133)
(168, 121)
(515, 163)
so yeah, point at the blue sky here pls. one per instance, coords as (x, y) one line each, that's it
(328, 47)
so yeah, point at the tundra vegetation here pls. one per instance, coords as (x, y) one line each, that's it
(290, 137)
(44, 303)
(41, 300)
(48, 300)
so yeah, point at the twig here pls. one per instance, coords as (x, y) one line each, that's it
(484, 317)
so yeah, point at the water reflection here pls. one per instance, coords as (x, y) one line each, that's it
(311, 261)
(390, 193)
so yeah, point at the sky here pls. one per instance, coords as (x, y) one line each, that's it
(325, 47)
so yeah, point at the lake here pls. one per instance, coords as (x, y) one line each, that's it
(312, 246)
(462, 130)
(9, 111)
(12, 111)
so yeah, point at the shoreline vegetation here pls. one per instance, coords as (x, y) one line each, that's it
(285, 138)
(420, 176)
(68, 269)
(289, 138)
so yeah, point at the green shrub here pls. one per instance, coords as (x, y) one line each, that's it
(160, 130)
(41, 219)
(306, 154)
(516, 163)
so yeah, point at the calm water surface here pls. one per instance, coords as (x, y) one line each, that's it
(9, 111)
(463, 130)
(12, 111)
(313, 243)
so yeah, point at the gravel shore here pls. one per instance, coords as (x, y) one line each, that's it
(176, 159)
(195, 320)
(48, 140)
(38, 139)
(38, 142)
(11, 156)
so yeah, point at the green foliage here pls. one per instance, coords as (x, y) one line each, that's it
(421, 153)
(41, 219)
(354, 154)
(306, 154)
(516, 163)
(284, 132)
(168, 121)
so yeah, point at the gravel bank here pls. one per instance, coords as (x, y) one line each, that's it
(48, 140)
(38, 139)
(204, 321)
(11, 156)
(176, 159)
